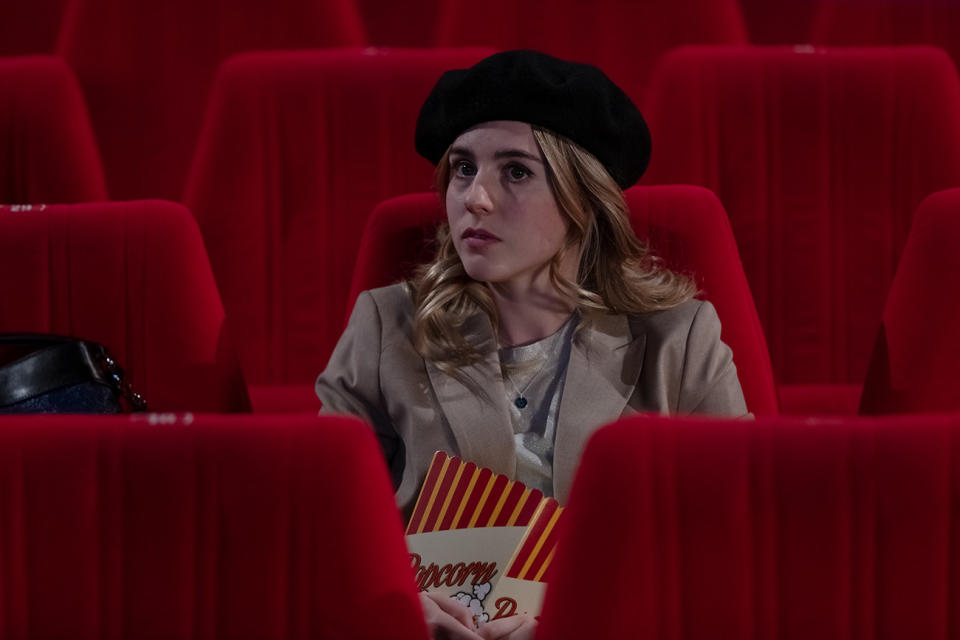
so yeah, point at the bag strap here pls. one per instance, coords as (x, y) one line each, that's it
(62, 362)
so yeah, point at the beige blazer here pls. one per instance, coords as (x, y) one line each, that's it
(668, 362)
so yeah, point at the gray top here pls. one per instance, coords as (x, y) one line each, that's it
(536, 372)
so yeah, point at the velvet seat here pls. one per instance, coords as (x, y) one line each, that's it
(820, 157)
(200, 526)
(778, 529)
(48, 153)
(134, 277)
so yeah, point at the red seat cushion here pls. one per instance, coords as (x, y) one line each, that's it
(297, 149)
(623, 38)
(777, 529)
(48, 154)
(685, 225)
(820, 157)
(200, 526)
(134, 277)
(916, 358)
(146, 70)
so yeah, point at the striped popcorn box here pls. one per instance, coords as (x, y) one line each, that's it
(466, 525)
(459, 495)
(522, 586)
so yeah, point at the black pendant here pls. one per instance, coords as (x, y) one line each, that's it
(521, 402)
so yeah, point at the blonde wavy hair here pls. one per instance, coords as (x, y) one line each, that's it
(617, 271)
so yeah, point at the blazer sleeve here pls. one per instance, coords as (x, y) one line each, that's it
(709, 383)
(351, 382)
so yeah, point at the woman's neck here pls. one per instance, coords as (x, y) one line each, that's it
(528, 316)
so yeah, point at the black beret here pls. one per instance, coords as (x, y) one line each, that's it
(574, 100)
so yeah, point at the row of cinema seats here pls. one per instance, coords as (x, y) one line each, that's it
(135, 277)
(32, 27)
(820, 157)
(285, 527)
(146, 67)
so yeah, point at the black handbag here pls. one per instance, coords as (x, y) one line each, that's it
(55, 374)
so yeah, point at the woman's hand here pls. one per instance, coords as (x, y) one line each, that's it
(447, 619)
(512, 628)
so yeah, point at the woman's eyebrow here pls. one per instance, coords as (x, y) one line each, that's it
(516, 153)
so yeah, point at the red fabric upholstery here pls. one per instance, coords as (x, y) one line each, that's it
(820, 399)
(29, 27)
(296, 151)
(888, 22)
(686, 226)
(778, 529)
(622, 38)
(146, 70)
(49, 154)
(400, 24)
(916, 359)
(783, 22)
(206, 527)
(820, 157)
(134, 277)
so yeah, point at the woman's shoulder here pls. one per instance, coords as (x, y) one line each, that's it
(394, 296)
(392, 306)
(676, 322)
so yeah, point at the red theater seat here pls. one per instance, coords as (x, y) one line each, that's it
(134, 277)
(916, 359)
(297, 149)
(624, 38)
(47, 154)
(889, 22)
(146, 70)
(200, 527)
(777, 529)
(686, 226)
(820, 157)
(29, 26)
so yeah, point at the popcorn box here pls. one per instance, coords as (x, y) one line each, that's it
(473, 533)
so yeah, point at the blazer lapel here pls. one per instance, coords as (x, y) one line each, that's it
(480, 422)
(605, 363)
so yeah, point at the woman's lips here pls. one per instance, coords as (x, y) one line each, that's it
(478, 238)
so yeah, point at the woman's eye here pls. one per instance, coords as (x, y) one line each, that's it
(464, 169)
(517, 172)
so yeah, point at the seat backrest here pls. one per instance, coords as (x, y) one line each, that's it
(888, 22)
(623, 38)
(146, 70)
(775, 529)
(686, 226)
(29, 27)
(297, 148)
(48, 153)
(164, 527)
(914, 367)
(820, 157)
(132, 276)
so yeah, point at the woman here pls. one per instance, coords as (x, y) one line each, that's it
(542, 316)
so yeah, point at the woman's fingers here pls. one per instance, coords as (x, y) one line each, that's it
(447, 619)
(512, 628)
(455, 609)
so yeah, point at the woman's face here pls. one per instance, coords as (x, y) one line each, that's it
(504, 220)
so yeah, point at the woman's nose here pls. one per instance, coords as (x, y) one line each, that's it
(478, 200)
